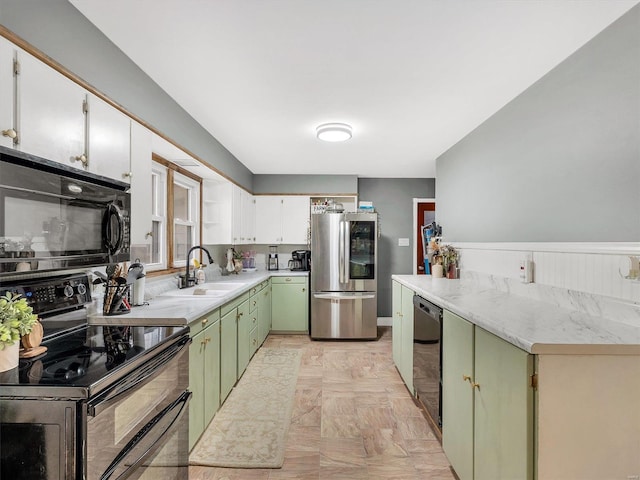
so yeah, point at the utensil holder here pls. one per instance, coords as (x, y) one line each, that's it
(116, 300)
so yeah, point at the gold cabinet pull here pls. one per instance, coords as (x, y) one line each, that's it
(127, 174)
(475, 385)
(466, 378)
(204, 321)
(148, 234)
(287, 279)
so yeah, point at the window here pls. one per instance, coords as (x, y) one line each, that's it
(175, 215)
(186, 200)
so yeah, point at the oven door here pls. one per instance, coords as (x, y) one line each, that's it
(139, 428)
(53, 219)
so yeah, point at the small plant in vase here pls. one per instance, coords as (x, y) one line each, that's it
(450, 257)
(16, 320)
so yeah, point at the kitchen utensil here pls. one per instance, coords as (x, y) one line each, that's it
(31, 342)
(230, 265)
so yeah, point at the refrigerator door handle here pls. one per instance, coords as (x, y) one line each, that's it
(344, 296)
(341, 252)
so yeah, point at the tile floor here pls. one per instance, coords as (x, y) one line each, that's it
(353, 419)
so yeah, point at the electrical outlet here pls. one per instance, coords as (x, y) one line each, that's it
(526, 269)
(403, 242)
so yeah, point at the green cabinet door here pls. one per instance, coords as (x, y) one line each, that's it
(290, 304)
(396, 325)
(457, 393)
(264, 314)
(407, 337)
(211, 369)
(503, 407)
(196, 386)
(244, 337)
(228, 353)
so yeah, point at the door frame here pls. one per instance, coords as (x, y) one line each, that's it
(416, 237)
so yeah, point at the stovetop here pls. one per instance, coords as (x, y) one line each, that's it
(86, 356)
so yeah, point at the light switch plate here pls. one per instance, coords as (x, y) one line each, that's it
(403, 242)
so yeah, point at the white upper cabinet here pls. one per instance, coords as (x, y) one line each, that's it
(228, 214)
(268, 219)
(109, 140)
(295, 219)
(282, 219)
(51, 120)
(7, 106)
(248, 218)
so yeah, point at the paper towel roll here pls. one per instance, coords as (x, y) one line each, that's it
(437, 271)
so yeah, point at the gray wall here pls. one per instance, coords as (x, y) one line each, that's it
(561, 162)
(393, 200)
(306, 184)
(65, 35)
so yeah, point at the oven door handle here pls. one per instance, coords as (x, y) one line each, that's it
(112, 244)
(137, 380)
(137, 441)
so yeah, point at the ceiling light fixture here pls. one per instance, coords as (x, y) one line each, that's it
(333, 132)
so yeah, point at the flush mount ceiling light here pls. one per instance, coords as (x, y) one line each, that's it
(333, 132)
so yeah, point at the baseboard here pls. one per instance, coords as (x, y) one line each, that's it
(385, 321)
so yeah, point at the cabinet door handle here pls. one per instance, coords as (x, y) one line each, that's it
(304, 289)
(204, 321)
(127, 174)
(11, 133)
(287, 279)
(466, 378)
(82, 159)
(148, 234)
(475, 385)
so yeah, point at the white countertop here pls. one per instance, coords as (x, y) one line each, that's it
(535, 326)
(168, 310)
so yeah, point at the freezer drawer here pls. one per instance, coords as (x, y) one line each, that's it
(344, 315)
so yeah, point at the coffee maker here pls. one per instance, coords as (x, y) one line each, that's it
(300, 260)
(272, 260)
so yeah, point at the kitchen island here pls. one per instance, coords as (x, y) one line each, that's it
(569, 410)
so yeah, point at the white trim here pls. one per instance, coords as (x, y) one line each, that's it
(605, 248)
(385, 321)
(414, 234)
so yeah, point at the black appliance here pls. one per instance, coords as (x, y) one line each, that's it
(427, 358)
(301, 260)
(54, 217)
(103, 402)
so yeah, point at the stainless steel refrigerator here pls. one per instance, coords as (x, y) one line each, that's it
(344, 253)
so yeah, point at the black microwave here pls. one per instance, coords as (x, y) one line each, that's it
(54, 217)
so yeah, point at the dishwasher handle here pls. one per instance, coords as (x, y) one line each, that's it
(427, 307)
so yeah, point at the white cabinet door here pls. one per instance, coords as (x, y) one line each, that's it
(248, 218)
(295, 219)
(141, 189)
(236, 214)
(268, 219)
(109, 148)
(6, 92)
(52, 119)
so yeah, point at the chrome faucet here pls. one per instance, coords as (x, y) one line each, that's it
(188, 281)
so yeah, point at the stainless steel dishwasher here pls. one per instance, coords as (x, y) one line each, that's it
(427, 357)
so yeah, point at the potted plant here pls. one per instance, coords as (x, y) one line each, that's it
(449, 260)
(16, 319)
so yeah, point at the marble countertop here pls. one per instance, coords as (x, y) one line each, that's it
(166, 310)
(535, 326)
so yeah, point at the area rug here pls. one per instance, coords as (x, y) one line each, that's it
(250, 430)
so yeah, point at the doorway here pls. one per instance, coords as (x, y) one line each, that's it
(424, 213)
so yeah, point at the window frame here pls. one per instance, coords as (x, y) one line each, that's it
(169, 264)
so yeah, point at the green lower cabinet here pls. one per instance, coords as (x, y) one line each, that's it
(204, 374)
(264, 314)
(290, 304)
(245, 325)
(228, 353)
(487, 404)
(402, 331)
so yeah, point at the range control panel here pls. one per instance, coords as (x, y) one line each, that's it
(52, 294)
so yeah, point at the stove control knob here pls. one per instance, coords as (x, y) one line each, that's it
(81, 289)
(68, 291)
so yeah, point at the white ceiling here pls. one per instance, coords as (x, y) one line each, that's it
(412, 77)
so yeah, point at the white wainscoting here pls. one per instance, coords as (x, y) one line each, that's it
(596, 268)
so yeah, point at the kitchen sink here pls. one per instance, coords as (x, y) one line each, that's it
(214, 289)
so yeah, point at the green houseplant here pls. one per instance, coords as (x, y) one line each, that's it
(16, 319)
